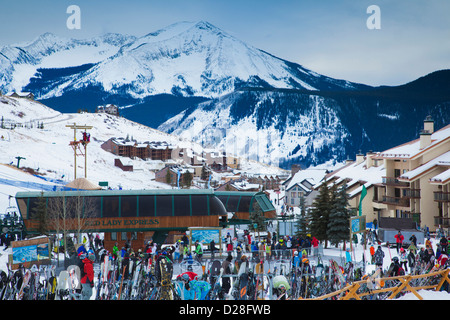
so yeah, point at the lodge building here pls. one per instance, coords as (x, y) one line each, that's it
(142, 215)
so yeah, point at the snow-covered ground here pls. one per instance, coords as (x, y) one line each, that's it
(47, 150)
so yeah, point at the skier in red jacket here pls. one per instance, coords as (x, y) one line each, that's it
(87, 277)
(399, 240)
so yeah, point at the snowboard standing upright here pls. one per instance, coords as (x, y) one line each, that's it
(243, 281)
(164, 275)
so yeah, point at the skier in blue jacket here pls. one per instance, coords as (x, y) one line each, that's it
(195, 289)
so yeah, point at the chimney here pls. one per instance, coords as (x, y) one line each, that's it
(425, 134)
(359, 158)
(428, 124)
(348, 160)
(369, 161)
(425, 139)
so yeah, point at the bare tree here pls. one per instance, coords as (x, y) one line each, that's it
(69, 213)
(58, 210)
(82, 210)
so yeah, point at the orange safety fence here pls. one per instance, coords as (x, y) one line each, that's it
(403, 284)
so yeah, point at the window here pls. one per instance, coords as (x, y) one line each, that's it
(244, 204)
(128, 206)
(215, 206)
(146, 206)
(110, 206)
(199, 205)
(182, 206)
(232, 204)
(95, 206)
(224, 199)
(163, 206)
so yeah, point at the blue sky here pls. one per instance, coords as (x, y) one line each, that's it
(326, 36)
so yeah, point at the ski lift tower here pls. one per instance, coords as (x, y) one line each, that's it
(77, 144)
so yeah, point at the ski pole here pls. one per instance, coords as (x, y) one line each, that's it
(389, 249)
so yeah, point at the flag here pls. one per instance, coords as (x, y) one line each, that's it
(363, 194)
(209, 181)
(178, 178)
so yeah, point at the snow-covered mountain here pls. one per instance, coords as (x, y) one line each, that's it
(20, 62)
(282, 127)
(187, 58)
(265, 126)
(198, 81)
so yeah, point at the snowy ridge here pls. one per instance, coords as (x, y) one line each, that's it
(20, 62)
(189, 58)
(255, 132)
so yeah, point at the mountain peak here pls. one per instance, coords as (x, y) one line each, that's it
(202, 24)
(178, 28)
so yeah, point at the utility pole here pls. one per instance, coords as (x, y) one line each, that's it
(76, 146)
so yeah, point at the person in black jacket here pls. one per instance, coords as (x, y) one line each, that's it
(379, 256)
(411, 259)
(413, 240)
(444, 244)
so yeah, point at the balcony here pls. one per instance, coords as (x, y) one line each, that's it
(392, 181)
(441, 221)
(441, 196)
(401, 202)
(411, 193)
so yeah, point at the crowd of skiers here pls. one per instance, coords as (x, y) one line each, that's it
(272, 246)
(413, 258)
(408, 259)
(244, 249)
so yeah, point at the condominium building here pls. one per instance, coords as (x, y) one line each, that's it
(411, 180)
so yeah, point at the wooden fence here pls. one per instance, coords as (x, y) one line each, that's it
(359, 289)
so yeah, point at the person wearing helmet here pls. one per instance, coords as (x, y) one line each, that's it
(404, 259)
(87, 276)
(396, 269)
(296, 260)
(194, 289)
(305, 270)
(281, 287)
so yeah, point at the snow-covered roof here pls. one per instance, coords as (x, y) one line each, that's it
(442, 160)
(245, 185)
(313, 176)
(442, 178)
(412, 149)
(356, 173)
(182, 169)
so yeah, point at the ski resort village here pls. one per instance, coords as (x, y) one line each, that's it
(187, 164)
(128, 195)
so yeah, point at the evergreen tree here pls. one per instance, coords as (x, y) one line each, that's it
(187, 179)
(300, 224)
(168, 177)
(204, 174)
(320, 214)
(339, 222)
(257, 219)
